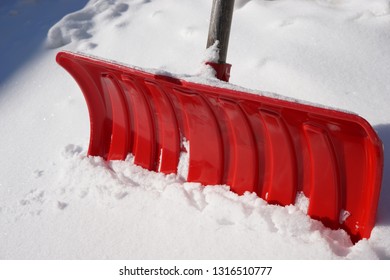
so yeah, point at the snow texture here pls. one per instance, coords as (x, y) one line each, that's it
(58, 203)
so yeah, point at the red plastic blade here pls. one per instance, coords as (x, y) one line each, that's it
(253, 143)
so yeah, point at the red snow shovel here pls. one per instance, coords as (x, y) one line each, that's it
(273, 147)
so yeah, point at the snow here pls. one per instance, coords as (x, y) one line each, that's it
(57, 203)
(184, 159)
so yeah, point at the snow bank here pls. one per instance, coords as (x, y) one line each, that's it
(119, 210)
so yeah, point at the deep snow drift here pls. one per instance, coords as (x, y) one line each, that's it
(57, 203)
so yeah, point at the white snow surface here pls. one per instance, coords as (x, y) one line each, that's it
(57, 203)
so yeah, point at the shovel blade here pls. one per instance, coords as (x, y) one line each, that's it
(253, 143)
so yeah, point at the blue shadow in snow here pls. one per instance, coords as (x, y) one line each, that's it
(23, 28)
(383, 217)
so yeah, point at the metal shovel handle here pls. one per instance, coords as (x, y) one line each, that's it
(219, 30)
(220, 23)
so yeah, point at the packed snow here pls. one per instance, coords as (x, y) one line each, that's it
(58, 203)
